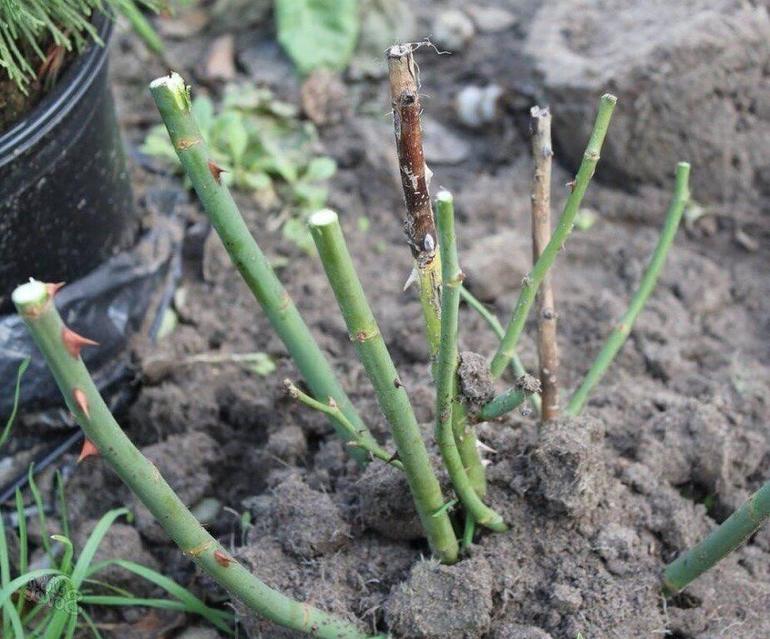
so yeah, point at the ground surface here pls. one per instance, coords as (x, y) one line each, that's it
(673, 439)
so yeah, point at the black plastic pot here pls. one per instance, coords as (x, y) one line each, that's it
(65, 195)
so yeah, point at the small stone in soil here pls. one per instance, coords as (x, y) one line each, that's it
(442, 146)
(452, 30)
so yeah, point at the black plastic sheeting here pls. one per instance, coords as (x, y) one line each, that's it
(124, 296)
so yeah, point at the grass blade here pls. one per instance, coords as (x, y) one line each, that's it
(80, 571)
(192, 603)
(9, 424)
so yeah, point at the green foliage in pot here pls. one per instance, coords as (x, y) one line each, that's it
(35, 34)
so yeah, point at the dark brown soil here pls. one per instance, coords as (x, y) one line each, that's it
(673, 438)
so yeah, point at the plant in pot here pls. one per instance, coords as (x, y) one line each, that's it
(65, 193)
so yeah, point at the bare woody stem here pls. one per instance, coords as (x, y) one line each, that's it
(391, 395)
(333, 411)
(173, 100)
(533, 281)
(420, 228)
(728, 536)
(35, 304)
(545, 307)
(419, 225)
(497, 328)
(622, 330)
(446, 377)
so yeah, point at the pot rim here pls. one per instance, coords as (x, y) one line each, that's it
(57, 104)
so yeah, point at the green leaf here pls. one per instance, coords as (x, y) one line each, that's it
(319, 169)
(203, 110)
(310, 196)
(296, 231)
(168, 323)
(585, 219)
(256, 180)
(229, 131)
(85, 558)
(157, 144)
(317, 33)
(12, 417)
(262, 364)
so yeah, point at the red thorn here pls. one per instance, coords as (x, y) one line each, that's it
(89, 450)
(53, 288)
(74, 342)
(216, 171)
(81, 400)
(222, 559)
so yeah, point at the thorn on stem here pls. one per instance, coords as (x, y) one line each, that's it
(392, 458)
(53, 288)
(222, 558)
(82, 401)
(74, 342)
(89, 450)
(216, 171)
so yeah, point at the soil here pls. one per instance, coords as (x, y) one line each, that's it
(672, 440)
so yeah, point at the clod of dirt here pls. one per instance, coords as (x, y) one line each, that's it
(528, 384)
(386, 503)
(693, 442)
(477, 387)
(308, 522)
(353, 582)
(696, 69)
(566, 598)
(121, 542)
(168, 409)
(182, 461)
(568, 466)
(442, 602)
(288, 444)
(519, 631)
(618, 545)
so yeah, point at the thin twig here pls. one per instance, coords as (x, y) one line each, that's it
(333, 411)
(622, 330)
(545, 308)
(532, 282)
